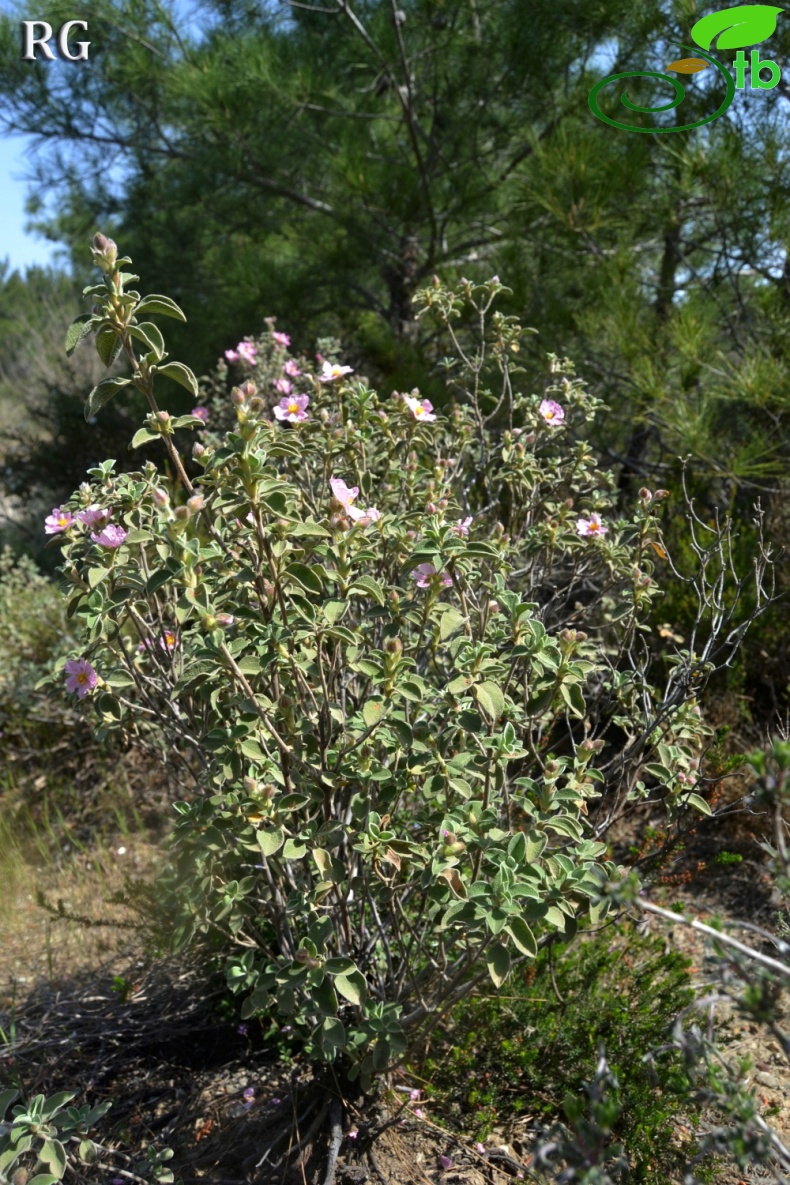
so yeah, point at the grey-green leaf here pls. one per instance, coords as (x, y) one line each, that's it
(78, 331)
(498, 963)
(102, 394)
(160, 304)
(180, 374)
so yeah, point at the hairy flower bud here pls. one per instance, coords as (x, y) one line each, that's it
(160, 496)
(105, 252)
(181, 513)
(163, 417)
(645, 494)
(198, 449)
(195, 503)
(659, 494)
(393, 646)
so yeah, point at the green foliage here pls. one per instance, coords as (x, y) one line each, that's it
(618, 991)
(399, 721)
(47, 1136)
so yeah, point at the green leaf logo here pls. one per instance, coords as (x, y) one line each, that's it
(746, 24)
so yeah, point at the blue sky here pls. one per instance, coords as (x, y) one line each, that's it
(19, 248)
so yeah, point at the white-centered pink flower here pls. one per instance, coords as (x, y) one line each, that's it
(291, 368)
(60, 520)
(92, 515)
(332, 370)
(200, 413)
(80, 676)
(591, 526)
(292, 408)
(421, 409)
(552, 412)
(281, 339)
(463, 525)
(284, 387)
(110, 536)
(425, 573)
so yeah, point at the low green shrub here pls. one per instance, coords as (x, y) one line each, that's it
(523, 1054)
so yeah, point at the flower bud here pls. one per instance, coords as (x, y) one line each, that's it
(251, 785)
(494, 607)
(225, 619)
(210, 621)
(430, 508)
(569, 503)
(195, 503)
(552, 767)
(160, 496)
(105, 252)
(163, 417)
(645, 494)
(393, 646)
(256, 405)
(181, 513)
(580, 636)
(660, 494)
(198, 449)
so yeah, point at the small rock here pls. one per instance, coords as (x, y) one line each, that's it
(769, 1080)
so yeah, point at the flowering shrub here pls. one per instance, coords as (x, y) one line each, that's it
(415, 678)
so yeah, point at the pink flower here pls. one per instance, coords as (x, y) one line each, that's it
(59, 520)
(80, 676)
(168, 641)
(281, 339)
(331, 371)
(552, 412)
(292, 369)
(414, 1095)
(424, 572)
(421, 409)
(346, 496)
(446, 1162)
(480, 1148)
(200, 413)
(462, 526)
(342, 493)
(292, 408)
(110, 536)
(92, 515)
(353, 1133)
(225, 619)
(245, 352)
(284, 386)
(418, 1111)
(591, 526)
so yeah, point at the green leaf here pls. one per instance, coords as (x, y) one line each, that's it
(102, 394)
(572, 694)
(372, 712)
(151, 336)
(339, 966)
(333, 1035)
(78, 331)
(352, 987)
(334, 610)
(536, 842)
(523, 937)
(366, 585)
(490, 698)
(160, 304)
(142, 436)
(53, 1154)
(451, 621)
(108, 345)
(249, 665)
(271, 840)
(498, 963)
(180, 374)
(43, 1179)
(7, 1097)
(745, 24)
(698, 802)
(250, 748)
(305, 577)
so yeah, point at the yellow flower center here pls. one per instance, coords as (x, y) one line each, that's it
(63, 521)
(82, 677)
(293, 407)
